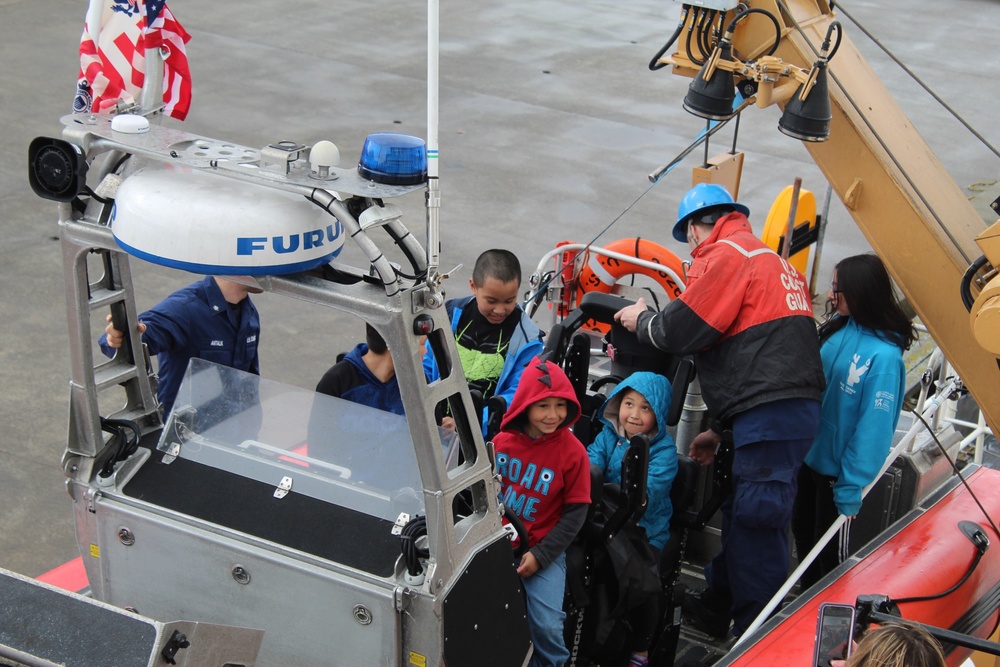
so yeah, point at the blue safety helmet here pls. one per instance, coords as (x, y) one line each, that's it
(700, 198)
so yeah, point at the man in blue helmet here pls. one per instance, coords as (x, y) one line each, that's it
(747, 316)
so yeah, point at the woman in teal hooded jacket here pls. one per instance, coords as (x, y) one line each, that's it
(862, 344)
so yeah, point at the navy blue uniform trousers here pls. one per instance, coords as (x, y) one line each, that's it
(753, 562)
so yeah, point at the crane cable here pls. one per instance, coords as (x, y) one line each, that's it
(891, 156)
(916, 78)
(702, 137)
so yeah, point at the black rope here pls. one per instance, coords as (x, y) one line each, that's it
(954, 467)
(965, 577)
(415, 528)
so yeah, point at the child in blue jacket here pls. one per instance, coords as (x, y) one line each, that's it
(496, 338)
(639, 404)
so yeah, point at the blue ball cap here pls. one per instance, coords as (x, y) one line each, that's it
(699, 198)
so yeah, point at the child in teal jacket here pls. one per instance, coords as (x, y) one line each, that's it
(639, 404)
(650, 392)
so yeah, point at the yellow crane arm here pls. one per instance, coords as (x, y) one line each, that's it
(913, 214)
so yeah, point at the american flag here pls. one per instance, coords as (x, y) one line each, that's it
(112, 56)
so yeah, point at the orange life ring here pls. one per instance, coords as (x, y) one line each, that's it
(601, 272)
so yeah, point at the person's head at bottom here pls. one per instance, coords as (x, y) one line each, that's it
(897, 645)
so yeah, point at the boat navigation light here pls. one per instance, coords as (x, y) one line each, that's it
(807, 115)
(393, 159)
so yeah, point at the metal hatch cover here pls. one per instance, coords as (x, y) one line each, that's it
(485, 622)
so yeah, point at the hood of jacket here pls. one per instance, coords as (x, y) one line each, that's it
(726, 226)
(540, 379)
(354, 358)
(658, 393)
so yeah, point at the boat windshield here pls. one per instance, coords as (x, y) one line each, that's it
(328, 448)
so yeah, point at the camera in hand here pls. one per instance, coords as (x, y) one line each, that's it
(834, 633)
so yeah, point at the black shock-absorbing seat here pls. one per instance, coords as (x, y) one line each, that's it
(595, 627)
(609, 549)
(682, 495)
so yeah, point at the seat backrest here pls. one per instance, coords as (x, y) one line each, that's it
(588, 425)
(596, 489)
(635, 471)
(577, 363)
(556, 342)
(628, 354)
(722, 481)
(495, 408)
(683, 490)
(679, 386)
(594, 524)
(682, 495)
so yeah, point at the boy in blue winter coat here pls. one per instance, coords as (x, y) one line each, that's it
(639, 404)
(365, 375)
(496, 338)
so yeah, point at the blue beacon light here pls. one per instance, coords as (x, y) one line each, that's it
(393, 159)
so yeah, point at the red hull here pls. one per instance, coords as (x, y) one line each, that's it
(926, 557)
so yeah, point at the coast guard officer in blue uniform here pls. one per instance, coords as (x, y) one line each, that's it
(213, 319)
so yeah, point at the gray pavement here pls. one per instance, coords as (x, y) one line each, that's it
(550, 122)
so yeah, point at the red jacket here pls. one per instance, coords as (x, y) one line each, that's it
(541, 476)
(748, 315)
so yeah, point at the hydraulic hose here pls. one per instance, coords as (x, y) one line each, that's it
(654, 64)
(967, 278)
(415, 528)
(757, 10)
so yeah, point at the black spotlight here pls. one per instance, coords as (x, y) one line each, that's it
(57, 169)
(809, 120)
(713, 99)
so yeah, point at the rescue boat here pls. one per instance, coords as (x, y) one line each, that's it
(939, 545)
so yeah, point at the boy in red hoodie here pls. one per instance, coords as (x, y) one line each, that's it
(546, 482)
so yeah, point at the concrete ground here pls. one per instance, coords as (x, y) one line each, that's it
(550, 123)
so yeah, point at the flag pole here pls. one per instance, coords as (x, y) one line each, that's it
(433, 193)
(92, 23)
(82, 97)
(151, 97)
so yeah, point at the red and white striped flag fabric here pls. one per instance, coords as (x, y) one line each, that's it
(112, 57)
